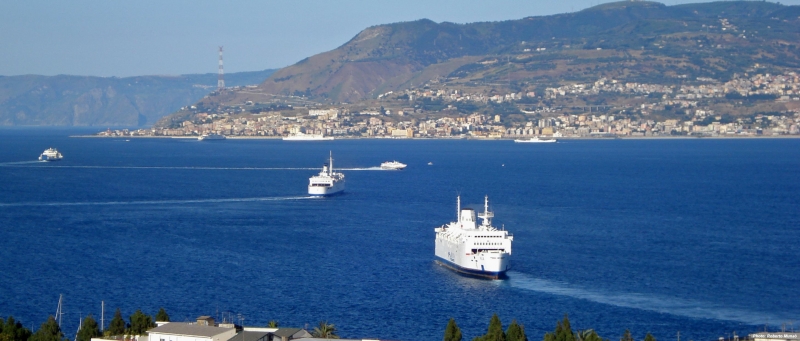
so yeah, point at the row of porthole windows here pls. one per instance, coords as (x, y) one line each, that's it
(488, 243)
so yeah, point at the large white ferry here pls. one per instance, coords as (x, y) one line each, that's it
(327, 182)
(211, 136)
(537, 140)
(476, 250)
(393, 165)
(307, 137)
(50, 154)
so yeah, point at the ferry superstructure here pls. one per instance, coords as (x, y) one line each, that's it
(475, 250)
(307, 137)
(50, 154)
(327, 182)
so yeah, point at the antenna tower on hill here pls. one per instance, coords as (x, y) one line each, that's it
(220, 79)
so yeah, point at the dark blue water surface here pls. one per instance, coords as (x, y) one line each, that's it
(697, 236)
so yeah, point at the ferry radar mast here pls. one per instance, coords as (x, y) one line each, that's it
(486, 215)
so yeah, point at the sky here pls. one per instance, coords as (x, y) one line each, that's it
(134, 38)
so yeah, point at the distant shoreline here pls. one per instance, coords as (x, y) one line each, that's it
(457, 138)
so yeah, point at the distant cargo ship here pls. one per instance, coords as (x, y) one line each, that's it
(50, 154)
(307, 137)
(481, 251)
(327, 182)
(211, 136)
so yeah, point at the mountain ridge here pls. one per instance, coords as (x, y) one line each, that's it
(383, 57)
(68, 100)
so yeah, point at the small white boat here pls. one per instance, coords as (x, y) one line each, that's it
(211, 136)
(536, 140)
(430, 163)
(50, 154)
(393, 165)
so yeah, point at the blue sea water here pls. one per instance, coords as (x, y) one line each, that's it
(693, 235)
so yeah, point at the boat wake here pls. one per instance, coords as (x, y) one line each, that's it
(29, 163)
(154, 202)
(361, 169)
(165, 167)
(649, 302)
(18, 163)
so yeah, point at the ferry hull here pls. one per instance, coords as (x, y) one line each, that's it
(487, 265)
(338, 187)
(470, 272)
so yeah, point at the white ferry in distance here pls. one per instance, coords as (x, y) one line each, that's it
(536, 140)
(307, 137)
(50, 154)
(476, 250)
(212, 136)
(393, 165)
(327, 182)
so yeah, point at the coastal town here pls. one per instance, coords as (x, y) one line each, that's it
(696, 109)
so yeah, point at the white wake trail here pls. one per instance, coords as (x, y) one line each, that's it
(153, 202)
(176, 167)
(649, 302)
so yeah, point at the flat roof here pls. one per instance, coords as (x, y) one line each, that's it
(180, 328)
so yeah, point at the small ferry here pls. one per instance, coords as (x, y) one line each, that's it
(327, 182)
(50, 154)
(393, 165)
(307, 137)
(536, 140)
(211, 136)
(471, 249)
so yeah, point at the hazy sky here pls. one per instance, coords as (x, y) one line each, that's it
(129, 38)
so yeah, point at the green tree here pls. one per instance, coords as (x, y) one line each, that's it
(325, 331)
(140, 323)
(649, 337)
(515, 332)
(627, 336)
(495, 331)
(452, 332)
(162, 316)
(117, 325)
(49, 331)
(89, 329)
(563, 332)
(11, 330)
(272, 324)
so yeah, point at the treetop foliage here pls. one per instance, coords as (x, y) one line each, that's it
(494, 332)
(117, 325)
(140, 323)
(89, 329)
(452, 332)
(516, 332)
(11, 330)
(162, 316)
(49, 331)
